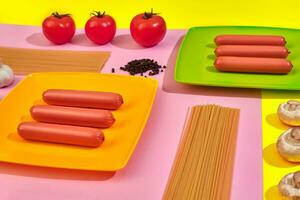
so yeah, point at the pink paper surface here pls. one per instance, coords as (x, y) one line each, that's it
(146, 174)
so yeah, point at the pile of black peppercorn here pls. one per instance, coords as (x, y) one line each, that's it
(143, 65)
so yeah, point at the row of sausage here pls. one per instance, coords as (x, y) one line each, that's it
(252, 54)
(72, 117)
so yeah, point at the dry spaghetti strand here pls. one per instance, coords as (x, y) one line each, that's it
(203, 165)
(26, 61)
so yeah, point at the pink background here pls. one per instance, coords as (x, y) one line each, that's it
(147, 172)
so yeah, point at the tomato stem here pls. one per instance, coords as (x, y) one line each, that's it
(98, 14)
(57, 15)
(148, 15)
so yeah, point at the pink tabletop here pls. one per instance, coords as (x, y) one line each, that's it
(146, 174)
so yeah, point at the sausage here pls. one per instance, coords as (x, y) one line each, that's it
(250, 40)
(72, 116)
(87, 99)
(252, 51)
(253, 65)
(64, 134)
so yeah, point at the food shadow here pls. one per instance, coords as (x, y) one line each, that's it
(38, 39)
(54, 173)
(273, 194)
(273, 120)
(211, 57)
(125, 41)
(281, 94)
(82, 40)
(211, 45)
(272, 157)
(212, 69)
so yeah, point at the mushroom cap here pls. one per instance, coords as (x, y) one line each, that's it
(289, 113)
(288, 145)
(288, 188)
(6, 75)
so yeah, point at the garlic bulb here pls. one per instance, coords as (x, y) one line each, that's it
(288, 144)
(289, 186)
(6, 75)
(289, 113)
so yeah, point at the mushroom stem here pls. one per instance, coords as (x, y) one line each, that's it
(296, 179)
(295, 133)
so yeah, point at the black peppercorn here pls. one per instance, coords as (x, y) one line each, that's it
(141, 66)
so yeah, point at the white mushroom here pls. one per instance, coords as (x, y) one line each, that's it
(289, 186)
(289, 112)
(6, 75)
(288, 144)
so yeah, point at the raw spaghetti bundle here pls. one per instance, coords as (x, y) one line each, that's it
(26, 61)
(204, 161)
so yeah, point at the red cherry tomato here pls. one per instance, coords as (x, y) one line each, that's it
(100, 28)
(148, 29)
(59, 29)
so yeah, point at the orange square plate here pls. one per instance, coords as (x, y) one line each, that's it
(138, 94)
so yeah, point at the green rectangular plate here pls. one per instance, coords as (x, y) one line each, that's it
(195, 59)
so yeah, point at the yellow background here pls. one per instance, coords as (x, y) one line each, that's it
(178, 14)
(274, 166)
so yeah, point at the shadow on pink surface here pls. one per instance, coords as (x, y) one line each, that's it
(81, 40)
(54, 173)
(38, 39)
(171, 86)
(125, 41)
